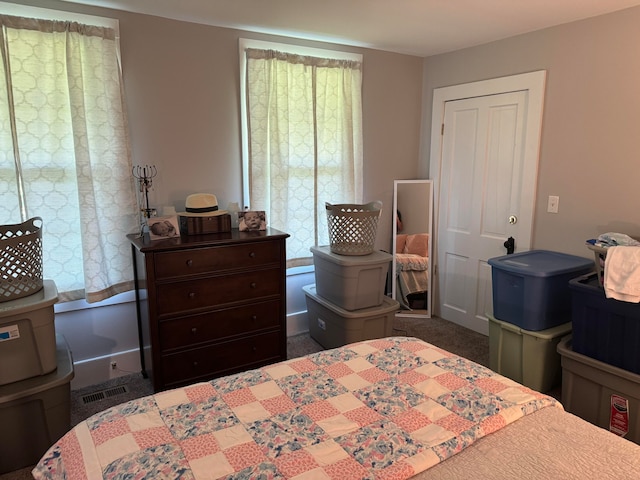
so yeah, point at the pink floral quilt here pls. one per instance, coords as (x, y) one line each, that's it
(383, 409)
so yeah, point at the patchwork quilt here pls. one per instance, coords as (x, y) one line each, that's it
(384, 409)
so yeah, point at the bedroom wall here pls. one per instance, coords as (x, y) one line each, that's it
(590, 142)
(182, 86)
(182, 89)
(181, 81)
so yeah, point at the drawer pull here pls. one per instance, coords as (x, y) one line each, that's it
(189, 263)
(192, 294)
(252, 255)
(194, 330)
(254, 349)
(254, 318)
(253, 285)
(195, 364)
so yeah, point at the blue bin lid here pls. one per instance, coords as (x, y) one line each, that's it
(542, 263)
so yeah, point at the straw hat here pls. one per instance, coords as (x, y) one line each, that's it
(201, 205)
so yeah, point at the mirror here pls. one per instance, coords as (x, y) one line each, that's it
(412, 247)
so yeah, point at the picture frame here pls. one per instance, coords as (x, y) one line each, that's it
(252, 220)
(161, 228)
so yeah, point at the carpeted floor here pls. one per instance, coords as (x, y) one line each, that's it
(436, 331)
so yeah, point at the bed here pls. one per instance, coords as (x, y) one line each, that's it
(392, 408)
(412, 269)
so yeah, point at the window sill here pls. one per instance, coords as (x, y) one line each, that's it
(75, 305)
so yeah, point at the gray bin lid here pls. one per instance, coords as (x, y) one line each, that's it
(47, 295)
(374, 258)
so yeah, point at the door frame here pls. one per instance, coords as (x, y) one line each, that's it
(534, 84)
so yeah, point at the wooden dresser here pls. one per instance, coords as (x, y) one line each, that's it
(209, 305)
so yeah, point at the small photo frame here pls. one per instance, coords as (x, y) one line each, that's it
(252, 220)
(163, 227)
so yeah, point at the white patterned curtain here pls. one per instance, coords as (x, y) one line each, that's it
(305, 142)
(64, 152)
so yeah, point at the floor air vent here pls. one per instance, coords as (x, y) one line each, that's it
(101, 395)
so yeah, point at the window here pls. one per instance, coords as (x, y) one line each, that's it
(303, 145)
(64, 151)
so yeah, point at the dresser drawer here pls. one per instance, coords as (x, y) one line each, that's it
(217, 360)
(191, 295)
(197, 329)
(197, 261)
(214, 304)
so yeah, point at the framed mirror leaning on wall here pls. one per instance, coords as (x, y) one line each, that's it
(412, 247)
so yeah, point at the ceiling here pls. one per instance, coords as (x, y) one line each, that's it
(415, 27)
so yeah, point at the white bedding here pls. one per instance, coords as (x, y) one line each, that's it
(548, 444)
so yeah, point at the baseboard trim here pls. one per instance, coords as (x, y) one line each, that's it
(297, 323)
(98, 370)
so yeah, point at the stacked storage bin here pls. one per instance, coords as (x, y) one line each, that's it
(36, 369)
(347, 303)
(601, 361)
(531, 314)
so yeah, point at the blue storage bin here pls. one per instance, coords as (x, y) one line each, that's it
(531, 289)
(605, 329)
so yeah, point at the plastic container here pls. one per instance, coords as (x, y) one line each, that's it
(531, 289)
(351, 283)
(589, 386)
(529, 358)
(332, 326)
(35, 413)
(604, 328)
(27, 335)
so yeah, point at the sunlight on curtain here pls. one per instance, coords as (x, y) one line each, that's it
(305, 141)
(64, 152)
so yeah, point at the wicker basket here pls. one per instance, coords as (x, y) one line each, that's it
(353, 228)
(20, 259)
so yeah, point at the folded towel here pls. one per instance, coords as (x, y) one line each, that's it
(612, 239)
(622, 273)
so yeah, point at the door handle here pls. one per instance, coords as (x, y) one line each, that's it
(510, 245)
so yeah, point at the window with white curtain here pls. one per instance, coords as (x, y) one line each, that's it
(64, 151)
(303, 143)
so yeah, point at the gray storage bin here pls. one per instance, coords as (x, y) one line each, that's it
(27, 335)
(332, 326)
(351, 282)
(588, 386)
(35, 413)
